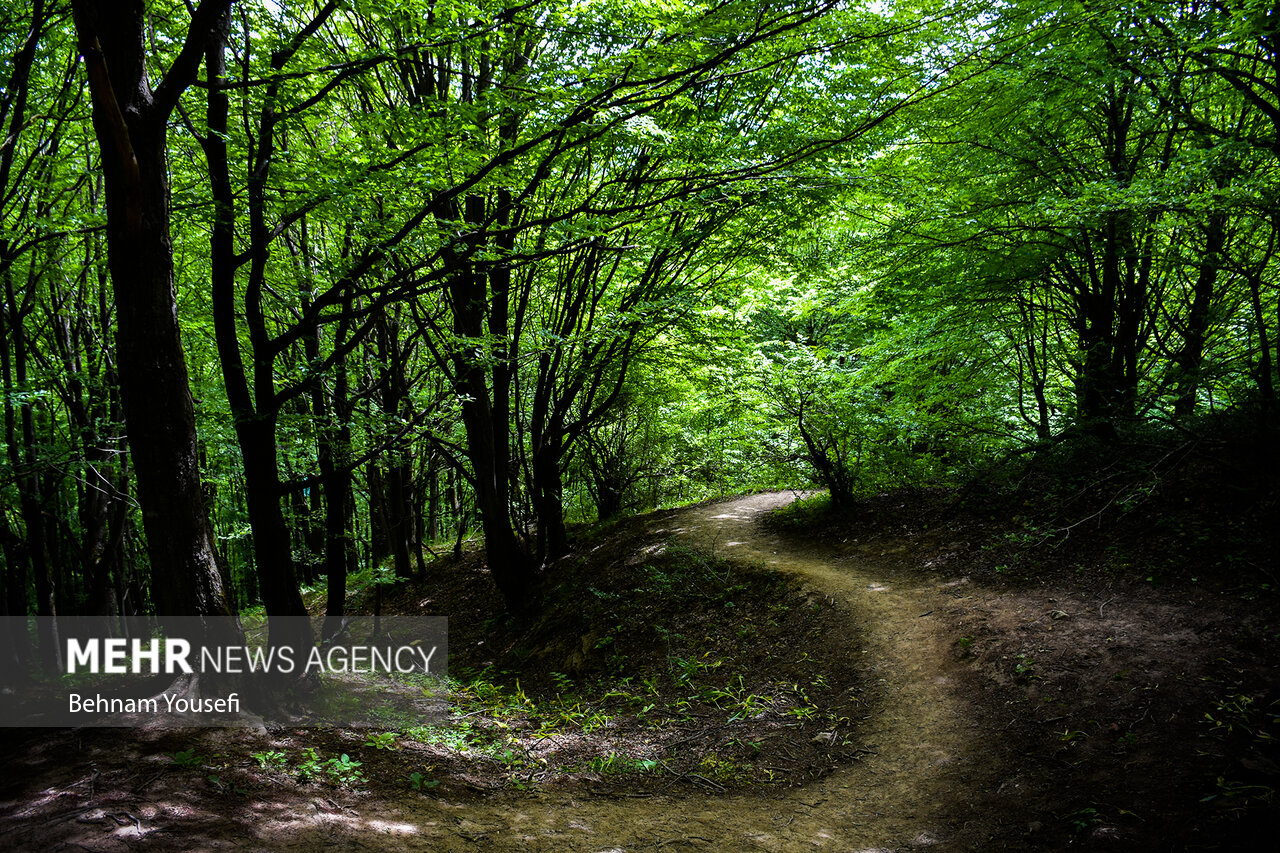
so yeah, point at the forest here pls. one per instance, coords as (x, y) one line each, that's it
(317, 308)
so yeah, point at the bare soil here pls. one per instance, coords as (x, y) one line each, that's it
(950, 703)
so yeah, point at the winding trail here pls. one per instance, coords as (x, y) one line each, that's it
(924, 757)
(925, 748)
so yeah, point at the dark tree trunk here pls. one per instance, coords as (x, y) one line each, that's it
(395, 507)
(91, 410)
(299, 523)
(277, 582)
(831, 472)
(1266, 387)
(1111, 289)
(1190, 358)
(339, 556)
(400, 513)
(379, 539)
(487, 436)
(419, 543)
(453, 496)
(22, 451)
(15, 642)
(432, 532)
(1032, 363)
(130, 121)
(255, 412)
(315, 528)
(510, 566)
(553, 539)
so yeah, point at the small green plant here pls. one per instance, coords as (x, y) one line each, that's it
(738, 699)
(594, 721)
(1082, 820)
(343, 771)
(309, 768)
(419, 782)
(722, 769)
(1025, 668)
(802, 707)
(691, 666)
(187, 759)
(384, 740)
(510, 755)
(564, 684)
(1071, 736)
(269, 760)
(457, 736)
(613, 763)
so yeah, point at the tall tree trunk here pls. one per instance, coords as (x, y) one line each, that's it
(395, 507)
(1266, 387)
(432, 532)
(130, 120)
(255, 412)
(1190, 357)
(277, 581)
(379, 522)
(487, 439)
(509, 565)
(553, 539)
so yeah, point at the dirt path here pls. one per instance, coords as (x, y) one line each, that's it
(922, 751)
(922, 756)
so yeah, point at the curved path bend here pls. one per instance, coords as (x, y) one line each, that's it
(924, 759)
(907, 793)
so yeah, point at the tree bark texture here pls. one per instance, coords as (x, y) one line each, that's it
(130, 122)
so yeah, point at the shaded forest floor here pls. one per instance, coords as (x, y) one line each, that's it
(1084, 656)
(1115, 612)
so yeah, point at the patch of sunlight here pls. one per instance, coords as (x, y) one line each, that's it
(392, 828)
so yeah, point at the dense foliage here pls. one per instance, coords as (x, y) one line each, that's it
(448, 268)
